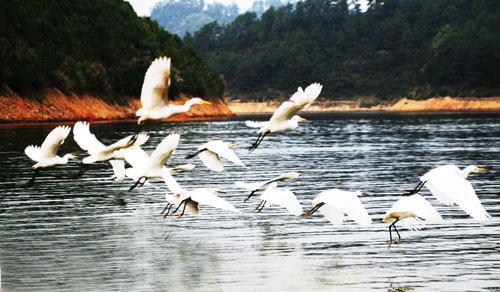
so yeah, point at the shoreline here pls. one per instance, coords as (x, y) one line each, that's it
(434, 105)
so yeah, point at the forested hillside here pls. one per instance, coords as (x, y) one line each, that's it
(413, 48)
(97, 47)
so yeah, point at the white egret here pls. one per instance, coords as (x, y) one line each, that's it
(260, 186)
(154, 165)
(46, 155)
(335, 203)
(191, 199)
(97, 150)
(450, 186)
(154, 94)
(408, 211)
(283, 198)
(285, 118)
(211, 152)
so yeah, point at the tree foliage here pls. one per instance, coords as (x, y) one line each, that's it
(98, 46)
(415, 48)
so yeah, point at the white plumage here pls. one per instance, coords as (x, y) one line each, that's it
(145, 167)
(408, 213)
(257, 186)
(191, 199)
(285, 118)
(450, 186)
(154, 94)
(283, 198)
(336, 204)
(46, 155)
(211, 152)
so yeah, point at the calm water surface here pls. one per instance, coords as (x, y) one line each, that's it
(92, 234)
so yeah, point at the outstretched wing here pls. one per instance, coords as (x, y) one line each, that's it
(172, 185)
(118, 169)
(284, 198)
(255, 124)
(156, 83)
(223, 150)
(125, 142)
(163, 151)
(33, 152)
(208, 197)
(53, 140)
(344, 202)
(448, 187)
(419, 206)
(298, 101)
(85, 139)
(284, 176)
(211, 160)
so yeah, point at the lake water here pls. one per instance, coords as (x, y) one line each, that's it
(92, 234)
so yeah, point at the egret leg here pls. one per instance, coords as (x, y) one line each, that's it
(81, 172)
(257, 143)
(32, 180)
(137, 183)
(313, 210)
(416, 189)
(196, 153)
(399, 236)
(393, 225)
(260, 206)
(183, 209)
(249, 196)
(183, 201)
(167, 209)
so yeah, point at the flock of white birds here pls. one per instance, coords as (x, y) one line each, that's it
(447, 183)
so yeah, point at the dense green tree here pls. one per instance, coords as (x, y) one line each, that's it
(395, 48)
(96, 46)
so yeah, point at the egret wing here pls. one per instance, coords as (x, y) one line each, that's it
(164, 151)
(154, 91)
(53, 140)
(172, 185)
(33, 152)
(211, 160)
(284, 198)
(284, 176)
(208, 197)
(223, 150)
(136, 157)
(347, 203)
(118, 169)
(125, 142)
(85, 139)
(305, 98)
(448, 187)
(255, 124)
(419, 206)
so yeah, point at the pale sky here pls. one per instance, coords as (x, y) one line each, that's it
(144, 7)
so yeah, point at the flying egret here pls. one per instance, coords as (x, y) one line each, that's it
(285, 118)
(191, 199)
(450, 186)
(154, 94)
(46, 155)
(283, 198)
(334, 203)
(408, 211)
(154, 165)
(211, 152)
(97, 150)
(260, 186)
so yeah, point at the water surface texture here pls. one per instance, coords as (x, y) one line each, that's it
(92, 234)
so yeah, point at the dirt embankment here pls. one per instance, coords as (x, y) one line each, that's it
(404, 104)
(54, 105)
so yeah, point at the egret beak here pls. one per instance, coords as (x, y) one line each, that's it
(480, 169)
(302, 120)
(233, 145)
(173, 171)
(75, 156)
(205, 102)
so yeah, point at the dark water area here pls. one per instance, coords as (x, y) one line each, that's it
(92, 234)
